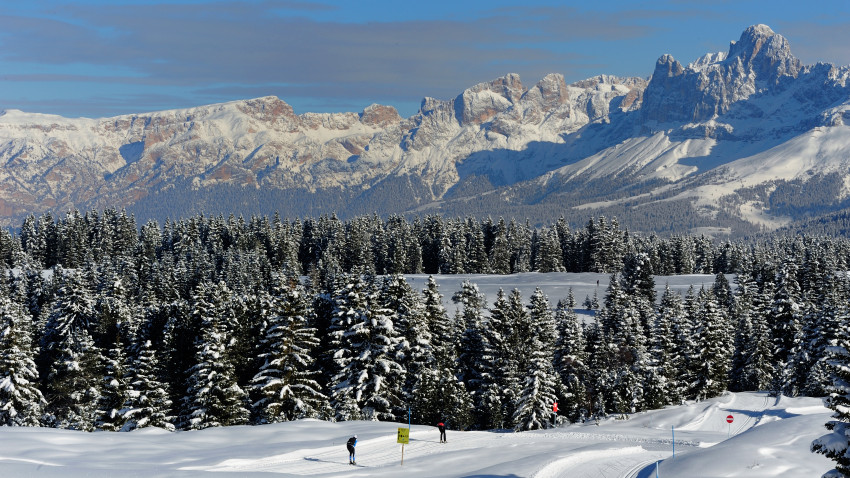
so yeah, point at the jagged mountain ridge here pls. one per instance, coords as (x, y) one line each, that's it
(713, 137)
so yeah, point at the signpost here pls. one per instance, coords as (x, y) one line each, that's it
(729, 420)
(554, 413)
(403, 438)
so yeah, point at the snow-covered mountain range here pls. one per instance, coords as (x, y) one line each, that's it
(733, 141)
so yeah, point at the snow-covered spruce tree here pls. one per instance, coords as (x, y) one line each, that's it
(476, 258)
(830, 309)
(687, 344)
(472, 344)
(537, 342)
(148, 403)
(495, 365)
(500, 253)
(662, 384)
(836, 444)
(21, 402)
(286, 382)
(785, 324)
(69, 358)
(715, 347)
(214, 398)
(413, 351)
(627, 340)
(439, 395)
(601, 377)
(114, 388)
(549, 257)
(115, 326)
(741, 320)
(570, 359)
(367, 382)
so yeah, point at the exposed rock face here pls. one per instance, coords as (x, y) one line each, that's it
(631, 129)
(755, 64)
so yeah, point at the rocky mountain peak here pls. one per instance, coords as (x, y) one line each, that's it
(765, 53)
(483, 101)
(667, 67)
(266, 108)
(379, 115)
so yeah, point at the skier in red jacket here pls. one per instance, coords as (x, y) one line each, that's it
(442, 427)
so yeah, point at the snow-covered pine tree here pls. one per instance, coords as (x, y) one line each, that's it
(715, 347)
(687, 345)
(286, 381)
(476, 257)
(214, 397)
(540, 388)
(549, 257)
(413, 351)
(472, 344)
(368, 381)
(21, 402)
(662, 384)
(831, 308)
(496, 364)
(441, 396)
(570, 359)
(785, 324)
(500, 253)
(519, 238)
(601, 378)
(114, 388)
(69, 357)
(836, 444)
(148, 404)
(115, 326)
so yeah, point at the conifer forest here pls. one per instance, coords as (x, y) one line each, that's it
(106, 324)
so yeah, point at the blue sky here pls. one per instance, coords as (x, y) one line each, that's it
(99, 58)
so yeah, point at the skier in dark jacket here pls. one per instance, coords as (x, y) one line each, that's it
(352, 442)
(442, 427)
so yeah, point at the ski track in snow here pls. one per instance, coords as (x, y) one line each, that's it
(383, 451)
(594, 463)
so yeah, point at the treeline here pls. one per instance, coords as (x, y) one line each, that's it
(431, 244)
(210, 321)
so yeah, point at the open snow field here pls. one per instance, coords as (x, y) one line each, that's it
(769, 437)
(556, 285)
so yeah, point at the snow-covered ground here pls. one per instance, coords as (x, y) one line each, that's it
(556, 285)
(769, 437)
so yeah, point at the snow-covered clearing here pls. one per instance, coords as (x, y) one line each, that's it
(556, 285)
(769, 437)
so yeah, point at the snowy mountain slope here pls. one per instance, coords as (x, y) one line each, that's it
(630, 144)
(768, 438)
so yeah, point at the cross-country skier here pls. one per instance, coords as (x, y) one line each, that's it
(442, 427)
(352, 442)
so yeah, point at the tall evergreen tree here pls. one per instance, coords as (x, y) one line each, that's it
(214, 397)
(715, 347)
(836, 444)
(21, 402)
(438, 394)
(286, 382)
(539, 393)
(570, 358)
(472, 342)
(368, 380)
(69, 357)
(148, 404)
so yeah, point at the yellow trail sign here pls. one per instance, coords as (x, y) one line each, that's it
(403, 436)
